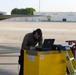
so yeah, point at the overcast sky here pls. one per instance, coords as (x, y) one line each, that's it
(45, 5)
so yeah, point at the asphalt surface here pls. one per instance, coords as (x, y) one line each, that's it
(11, 37)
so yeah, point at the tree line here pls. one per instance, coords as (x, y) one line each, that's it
(25, 11)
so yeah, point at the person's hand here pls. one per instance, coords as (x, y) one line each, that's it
(32, 48)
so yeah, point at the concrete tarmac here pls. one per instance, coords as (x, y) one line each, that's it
(12, 34)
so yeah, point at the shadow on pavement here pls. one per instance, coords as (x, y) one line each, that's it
(8, 49)
(3, 72)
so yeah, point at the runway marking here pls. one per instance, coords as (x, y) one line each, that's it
(44, 29)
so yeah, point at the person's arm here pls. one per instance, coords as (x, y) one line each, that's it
(40, 42)
(25, 41)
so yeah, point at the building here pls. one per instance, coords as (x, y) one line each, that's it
(2, 13)
(58, 16)
(42, 17)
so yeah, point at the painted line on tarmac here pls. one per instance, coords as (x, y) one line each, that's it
(44, 29)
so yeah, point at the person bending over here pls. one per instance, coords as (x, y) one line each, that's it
(30, 41)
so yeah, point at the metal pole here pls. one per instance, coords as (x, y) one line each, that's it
(39, 5)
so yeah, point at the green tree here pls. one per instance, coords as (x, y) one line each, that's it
(27, 11)
(15, 11)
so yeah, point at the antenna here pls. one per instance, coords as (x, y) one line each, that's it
(39, 5)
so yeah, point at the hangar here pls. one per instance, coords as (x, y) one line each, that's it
(58, 16)
(43, 17)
